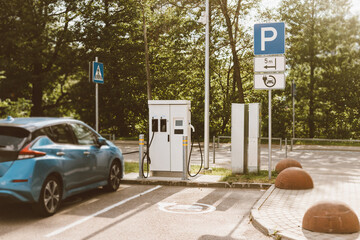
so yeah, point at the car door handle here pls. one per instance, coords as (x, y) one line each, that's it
(60, 154)
(86, 153)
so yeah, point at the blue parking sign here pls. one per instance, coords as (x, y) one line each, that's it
(269, 38)
(98, 72)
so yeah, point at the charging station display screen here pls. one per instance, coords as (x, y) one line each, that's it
(178, 123)
(163, 125)
(178, 131)
(155, 125)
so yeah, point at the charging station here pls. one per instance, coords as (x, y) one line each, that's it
(169, 121)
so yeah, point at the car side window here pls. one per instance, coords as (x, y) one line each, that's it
(83, 134)
(45, 131)
(61, 134)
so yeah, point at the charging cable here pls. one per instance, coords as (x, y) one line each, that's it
(147, 155)
(202, 160)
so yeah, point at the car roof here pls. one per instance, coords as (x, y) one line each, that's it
(33, 123)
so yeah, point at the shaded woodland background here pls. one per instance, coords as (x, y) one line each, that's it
(155, 49)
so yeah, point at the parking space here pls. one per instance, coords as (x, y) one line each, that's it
(140, 212)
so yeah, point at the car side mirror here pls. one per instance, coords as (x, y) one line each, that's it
(101, 141)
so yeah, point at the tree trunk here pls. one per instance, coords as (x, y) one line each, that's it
(37, 91)
(311, 118)
(311, 102)
(147, 65)
(236, 75)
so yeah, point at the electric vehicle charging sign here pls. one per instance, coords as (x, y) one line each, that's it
(269, 81)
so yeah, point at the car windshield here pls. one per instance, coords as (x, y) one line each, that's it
(12, 138)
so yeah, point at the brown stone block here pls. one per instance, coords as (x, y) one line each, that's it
(294, 178)
(286, 163)
(331, 217)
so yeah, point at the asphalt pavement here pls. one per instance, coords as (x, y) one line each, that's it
(140, 212)
(198, 208)
(334, 170)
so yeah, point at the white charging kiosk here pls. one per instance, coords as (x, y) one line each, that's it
(245, 137)
(169, 121)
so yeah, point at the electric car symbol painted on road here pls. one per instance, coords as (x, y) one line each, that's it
(196, 208)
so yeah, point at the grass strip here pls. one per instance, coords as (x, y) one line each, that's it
(227, 175)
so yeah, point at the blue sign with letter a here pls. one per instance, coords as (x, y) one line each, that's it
(98, 72)
(269, 38)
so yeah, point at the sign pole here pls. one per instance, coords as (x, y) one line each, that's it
(293, 108)
(269, 39)
(207, 87)
(96, 103)
(270, 134)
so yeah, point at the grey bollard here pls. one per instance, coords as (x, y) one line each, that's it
(185, 154)
(213, 149)
(141, 154)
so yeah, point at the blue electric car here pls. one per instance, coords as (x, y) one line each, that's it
(45, 160)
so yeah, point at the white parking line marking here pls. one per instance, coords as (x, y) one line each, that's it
(63, 229)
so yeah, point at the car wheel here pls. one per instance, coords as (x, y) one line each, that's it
(114, 177)
(50, 196)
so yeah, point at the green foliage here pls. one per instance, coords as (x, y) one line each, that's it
(19, 108)
(323, 60)
(111, 31)
(37, 43)
(46, 47)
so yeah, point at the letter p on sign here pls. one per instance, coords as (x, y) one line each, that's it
(269, 38)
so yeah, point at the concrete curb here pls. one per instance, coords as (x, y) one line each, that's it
(260, 224)
(251, 185)
(255, 215)
(188, 183)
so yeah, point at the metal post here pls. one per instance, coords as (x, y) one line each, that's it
(280, 144)
(293, 101)
(292, 142)
(97, 106)
(207, 87)
(270, 134)
(141, 154)
(96, 103)
(185, 154)
(285, 147)
(90, 72)
(213, 145)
